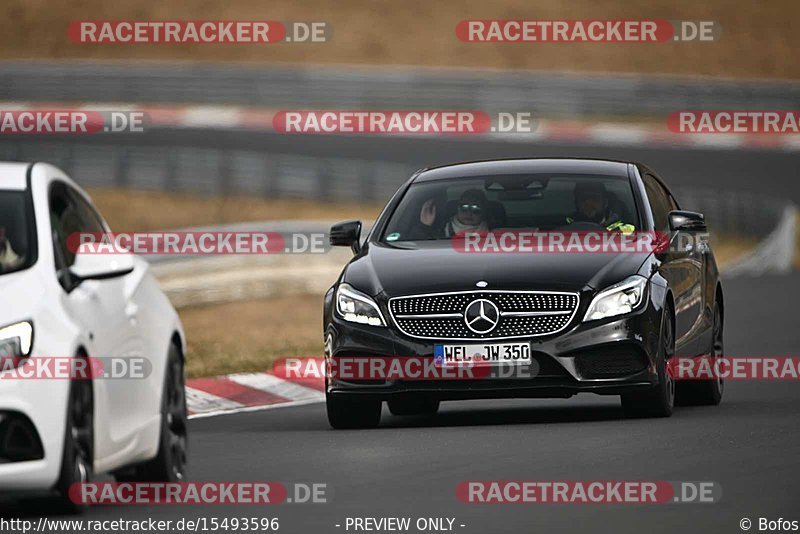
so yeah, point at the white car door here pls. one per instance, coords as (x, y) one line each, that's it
(102, 310)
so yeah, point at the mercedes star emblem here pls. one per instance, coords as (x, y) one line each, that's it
(481, 316)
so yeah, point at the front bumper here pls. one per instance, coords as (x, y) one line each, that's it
(610, 357)
(43, 403)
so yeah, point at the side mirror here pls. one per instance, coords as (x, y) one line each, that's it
(91, 265)
(687, 221)
(346, 234)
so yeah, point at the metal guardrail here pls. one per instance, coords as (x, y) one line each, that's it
(216, 170)
(553, 94)
(247, 172)
(250, 172)
(734, 213)
(220, 165)
(774, 254)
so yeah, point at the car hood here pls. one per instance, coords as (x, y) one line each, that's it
(427, 267)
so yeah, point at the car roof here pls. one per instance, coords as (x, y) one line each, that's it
(14, 176)
(524, 166)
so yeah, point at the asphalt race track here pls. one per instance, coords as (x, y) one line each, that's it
(411, 466)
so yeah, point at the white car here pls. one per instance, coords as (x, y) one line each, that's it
(56, 303)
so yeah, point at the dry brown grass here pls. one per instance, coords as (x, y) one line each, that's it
(250, 335)
(759, 39)
(137, 211)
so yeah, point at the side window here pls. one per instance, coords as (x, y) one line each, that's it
(673, 204)
(69, 214)
(64, 221)
(660, 202)
(89, 219)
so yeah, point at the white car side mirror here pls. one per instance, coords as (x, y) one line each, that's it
(92, 265)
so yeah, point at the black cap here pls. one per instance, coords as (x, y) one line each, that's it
(474, 195)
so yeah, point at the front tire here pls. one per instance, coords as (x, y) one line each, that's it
(660, 400)
(169, 465)
(706, 392)
(78, 456)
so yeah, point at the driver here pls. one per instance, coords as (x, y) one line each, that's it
(470, 214)
(8, 258)
(591, 204)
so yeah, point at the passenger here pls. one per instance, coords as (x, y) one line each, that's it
(8, 258)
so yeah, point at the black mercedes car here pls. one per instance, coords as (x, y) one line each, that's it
(604, 322)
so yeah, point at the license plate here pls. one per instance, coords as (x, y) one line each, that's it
(482, 354)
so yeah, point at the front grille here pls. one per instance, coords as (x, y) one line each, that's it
(611, 362)
(548, 367)
(520, 314)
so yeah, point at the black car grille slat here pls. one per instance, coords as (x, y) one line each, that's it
(441, 316)
(531, 326)
(439, 328)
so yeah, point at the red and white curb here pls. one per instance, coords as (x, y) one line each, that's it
(246, 392)
(554, 131)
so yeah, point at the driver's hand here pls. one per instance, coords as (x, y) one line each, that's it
(428, 213)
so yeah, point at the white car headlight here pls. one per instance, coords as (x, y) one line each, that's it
(16, 340)
(357, 307)
(618, 299)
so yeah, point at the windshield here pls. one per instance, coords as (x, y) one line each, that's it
(16, 250)
(443, 208)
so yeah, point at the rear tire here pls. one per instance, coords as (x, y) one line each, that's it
(347, 413)
(413, 406)
(169, 465)
(659, 400)
(706, 392)
(78, 457)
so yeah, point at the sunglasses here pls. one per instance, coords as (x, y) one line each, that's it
(475, 209)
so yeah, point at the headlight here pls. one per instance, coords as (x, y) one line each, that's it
(15, 343)
(618, 299)
(357, 307)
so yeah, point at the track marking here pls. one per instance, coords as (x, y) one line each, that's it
(277, 386)
(200, 401)
(246, 392)
(245, 409)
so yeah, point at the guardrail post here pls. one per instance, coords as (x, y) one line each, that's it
(367, 179)
(272, 171)
(324, 180)
(121, 162)
(171, 172)
(16, 150)
(224, 172)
